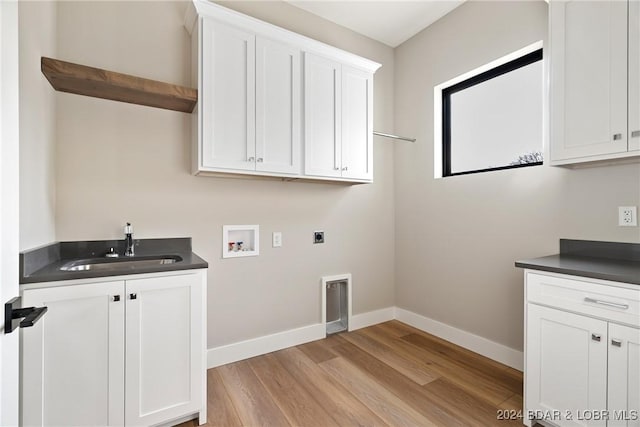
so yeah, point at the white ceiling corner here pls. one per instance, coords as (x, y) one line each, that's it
(389, 22)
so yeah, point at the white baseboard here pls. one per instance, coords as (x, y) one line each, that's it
(475, 343)
(266, 344)
(262, 345)
(370, 318)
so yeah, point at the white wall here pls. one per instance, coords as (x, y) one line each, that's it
(37, 37)
(118, 162)
(458, 237)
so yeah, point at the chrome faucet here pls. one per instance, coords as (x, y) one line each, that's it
(128, 240)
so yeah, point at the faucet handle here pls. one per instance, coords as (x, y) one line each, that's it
(111, 254)
(128, 229)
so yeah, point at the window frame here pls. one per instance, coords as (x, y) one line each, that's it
(521, 61)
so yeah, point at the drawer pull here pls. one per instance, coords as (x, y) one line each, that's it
(607, 303)
(616, 343)
(596, 337)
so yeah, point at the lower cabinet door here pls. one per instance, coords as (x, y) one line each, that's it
(566, 367)
(164, 363)
(624, 376)
(73, 358)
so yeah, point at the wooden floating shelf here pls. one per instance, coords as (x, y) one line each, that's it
(98, 83)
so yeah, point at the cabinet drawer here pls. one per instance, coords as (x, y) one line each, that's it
(607, 302)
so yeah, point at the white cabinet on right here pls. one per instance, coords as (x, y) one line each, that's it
(624, 374)
(582, 352)
(338, 120)
(594, 80)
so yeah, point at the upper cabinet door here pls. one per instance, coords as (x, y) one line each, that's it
(228, 97)
(588, 78)
(624, 375)
(357, 126)
(634, 75)
(322, 116)
(278, 105)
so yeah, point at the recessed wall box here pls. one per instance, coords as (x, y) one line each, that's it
(240, 241)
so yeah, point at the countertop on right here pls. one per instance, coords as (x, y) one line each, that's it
(618, 262)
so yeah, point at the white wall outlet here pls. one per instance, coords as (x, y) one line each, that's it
(277, 239)
(627, 216)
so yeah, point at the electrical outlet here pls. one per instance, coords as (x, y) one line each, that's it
(318, 237)
(277, 239)
(627, 216)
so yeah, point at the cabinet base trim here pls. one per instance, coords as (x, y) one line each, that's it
(475, 343)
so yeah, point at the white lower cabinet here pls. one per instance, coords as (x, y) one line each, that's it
(624, 375)
(568, 358)
(124, 352)
(582, 352)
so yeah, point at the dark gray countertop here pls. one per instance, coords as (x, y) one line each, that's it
(43, 264)
(618, 262)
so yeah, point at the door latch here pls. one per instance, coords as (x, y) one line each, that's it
(15, 317)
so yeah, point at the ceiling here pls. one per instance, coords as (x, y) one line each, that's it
(389, 22)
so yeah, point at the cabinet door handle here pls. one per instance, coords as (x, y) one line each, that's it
(133, 296)
(635, 133)
(617, 136)
(345, 168)
(260, 160)
(607, 303)
(596, 337)
(116, 298)
(616, 343)
(251, 159)
(336, 169)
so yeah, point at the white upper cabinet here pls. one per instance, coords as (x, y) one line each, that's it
(264, 111)
(322, 90)
(338, 124)
(634, 75)
(592, 109)
(357, 123)
(228, 97)
(278, 100)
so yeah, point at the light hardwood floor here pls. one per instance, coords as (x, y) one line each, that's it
(385, 375)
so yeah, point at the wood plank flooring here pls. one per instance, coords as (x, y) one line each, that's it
(386, 375)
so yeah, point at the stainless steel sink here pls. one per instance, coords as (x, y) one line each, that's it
(102, 264)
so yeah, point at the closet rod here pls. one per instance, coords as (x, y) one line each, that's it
(387, 135)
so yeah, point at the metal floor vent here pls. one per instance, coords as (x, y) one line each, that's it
(337, 307)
